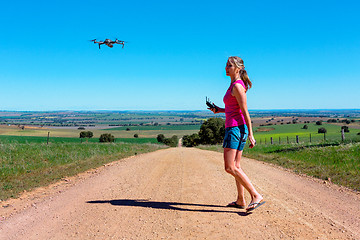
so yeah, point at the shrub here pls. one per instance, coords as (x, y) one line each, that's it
(191, 141)
(346, 128)
(318, 122)
(107, 137)
(172, 142)
(305, 127)
(86, 134)
(322, 130)
(212, 131)
(160, 138)
(81, 128)
(127, 129)
(136, 135)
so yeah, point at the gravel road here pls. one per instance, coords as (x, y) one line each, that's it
(181, 193)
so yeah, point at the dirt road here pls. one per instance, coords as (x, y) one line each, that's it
(180, 193)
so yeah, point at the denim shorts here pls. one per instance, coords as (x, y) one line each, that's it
(235, 137)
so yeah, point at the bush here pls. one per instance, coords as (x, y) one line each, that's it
(305, 127)
(136, 135)
(322, 130)
(346, 128)
(107, 137)
(160, 138)
(318, 122)
(191, 141)
(172, 142)
(86, 134)
(81, 128)
(212, 131)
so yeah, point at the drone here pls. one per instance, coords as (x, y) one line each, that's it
(109, 42)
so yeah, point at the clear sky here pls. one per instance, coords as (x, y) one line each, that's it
(298, 54)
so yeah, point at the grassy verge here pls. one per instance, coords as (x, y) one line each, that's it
(24, 166)
(35, 139)
(333, 161)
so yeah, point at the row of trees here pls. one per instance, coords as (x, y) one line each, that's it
(106, 137)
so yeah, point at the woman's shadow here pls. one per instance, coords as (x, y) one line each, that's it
(168, 205)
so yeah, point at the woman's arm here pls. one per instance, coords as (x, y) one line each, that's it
(240, 94)
(218, 110)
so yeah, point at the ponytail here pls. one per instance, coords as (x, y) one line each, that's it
(245, 78)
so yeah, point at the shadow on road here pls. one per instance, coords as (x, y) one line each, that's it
(168, 205)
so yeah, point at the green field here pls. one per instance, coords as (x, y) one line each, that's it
(291, 130)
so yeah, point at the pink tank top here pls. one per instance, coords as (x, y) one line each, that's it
(233, 114)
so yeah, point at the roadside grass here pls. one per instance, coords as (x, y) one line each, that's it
(334, 161)
(292, 130)
(24, 166)
(34, 139)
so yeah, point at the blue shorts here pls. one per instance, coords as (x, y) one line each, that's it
(235, 137)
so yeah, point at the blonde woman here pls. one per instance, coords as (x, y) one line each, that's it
(238, 129)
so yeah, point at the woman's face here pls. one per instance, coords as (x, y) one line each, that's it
(231, 69)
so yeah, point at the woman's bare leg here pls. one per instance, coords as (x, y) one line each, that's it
(240, 188)
(238, 173)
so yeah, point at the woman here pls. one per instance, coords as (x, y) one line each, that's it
(237, 129)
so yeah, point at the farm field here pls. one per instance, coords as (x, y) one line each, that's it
(293, 130)
(118, 132)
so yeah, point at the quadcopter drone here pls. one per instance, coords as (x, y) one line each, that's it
(109, 42)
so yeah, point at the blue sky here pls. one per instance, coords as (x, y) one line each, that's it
(298, 54)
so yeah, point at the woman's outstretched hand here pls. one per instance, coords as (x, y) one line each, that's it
(214, 109)
(252, 141)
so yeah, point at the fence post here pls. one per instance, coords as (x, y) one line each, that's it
(297, 138)
(287, 137)
(271, 140)
(343, 134)
(324, 137)
(265, 140)
(310, 137)
(279, 141)
(47, 141)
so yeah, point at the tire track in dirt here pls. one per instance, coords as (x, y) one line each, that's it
(180, 193)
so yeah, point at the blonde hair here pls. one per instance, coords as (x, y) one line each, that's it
(239, 63)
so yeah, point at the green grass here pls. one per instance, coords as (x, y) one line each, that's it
(24, 166)
(33, 139)
(291, 130)
(335, 161)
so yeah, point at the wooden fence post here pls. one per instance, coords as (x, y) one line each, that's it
(271, 140)
(47, 141)
(279, 141)
(265, 140)
(287, 137)
(324, 136)
(297, 138)
(310, 137)
(343, 134)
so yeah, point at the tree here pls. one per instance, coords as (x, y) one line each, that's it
(212, 131)
(322, 130)
(160, 138)
(86, 134)
(107, 137)
(172, 142)
(136, 135)
(305, 127)
(346, 128)
(318, 122)
(191, 141)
